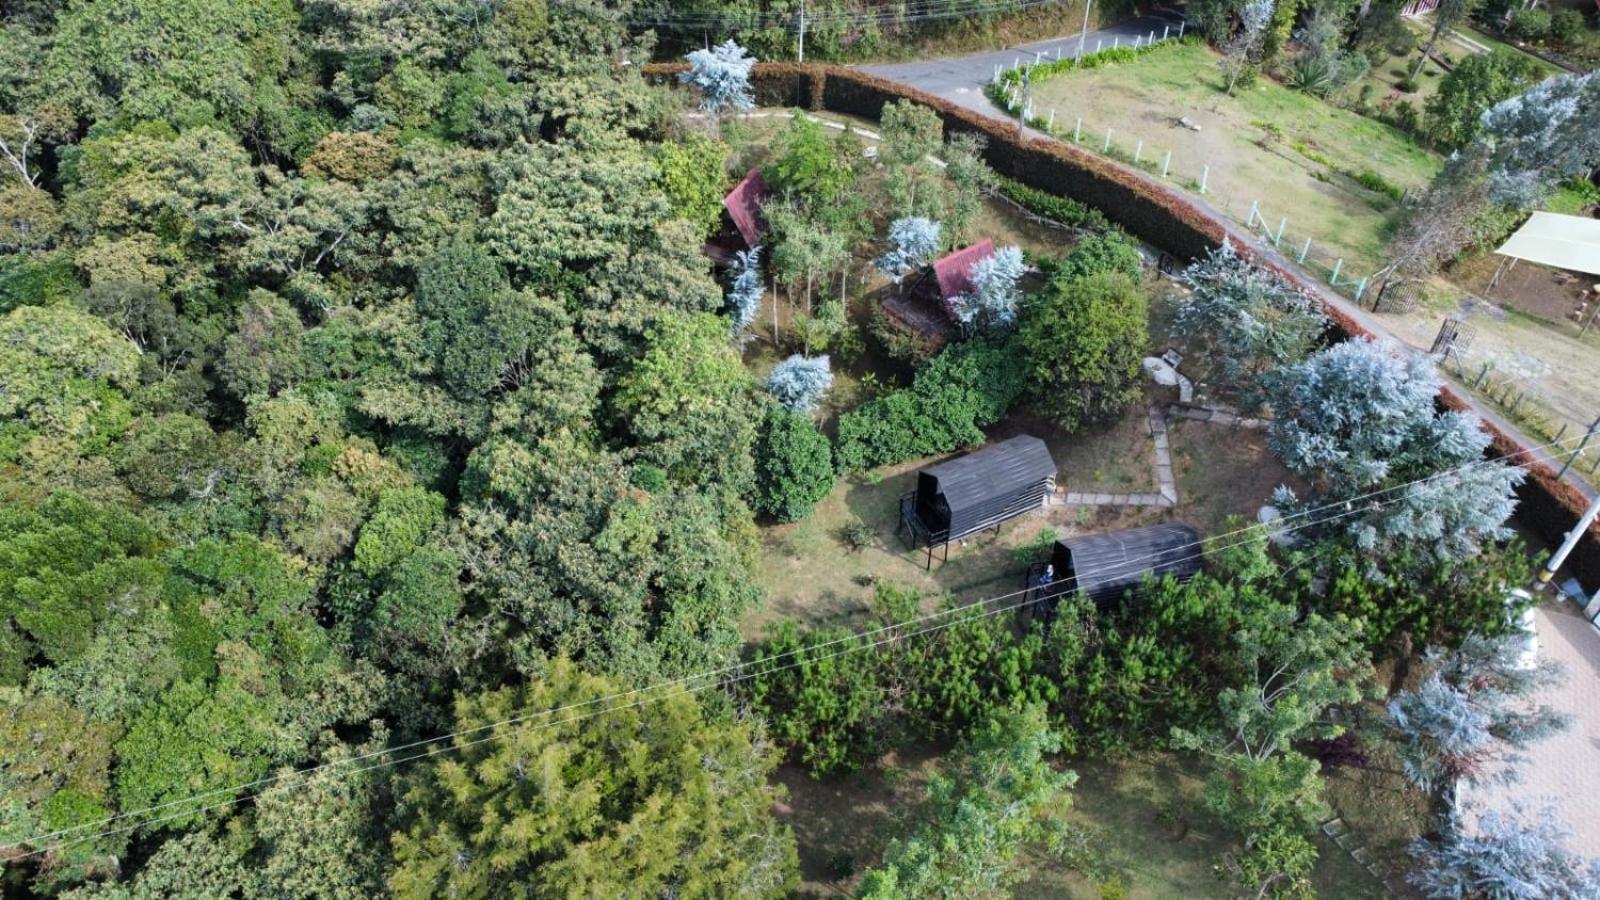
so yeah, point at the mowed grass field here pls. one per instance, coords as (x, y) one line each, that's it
(1294, 153)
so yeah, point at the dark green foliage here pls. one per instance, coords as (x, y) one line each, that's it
(1082, 341)
(964, 388)
(794, 465)
(1098, 254)
(41, 280)
(1052, 206)
(806, 163)
(1476, 83)
(820, 692)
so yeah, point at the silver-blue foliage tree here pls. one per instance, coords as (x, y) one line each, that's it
(1507, 856)
(1549, 132)
(996, 291)
(800, 382)
(1471, 714)
(722, 73)
(744, 288)
(913, 240)
(1245, 319)
(1357, 421)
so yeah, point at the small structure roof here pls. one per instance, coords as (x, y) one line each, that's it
(743, 204)
(1552, 239)
(1105, 565)
(953, 271)
(996, 470)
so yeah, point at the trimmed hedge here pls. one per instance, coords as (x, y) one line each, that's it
(1151, 211)
(1066, 211)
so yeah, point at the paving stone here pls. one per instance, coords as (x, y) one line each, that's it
(1334, 827)
(1362, 855)
(1346, 840)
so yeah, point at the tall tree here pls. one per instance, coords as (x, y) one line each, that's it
(1082, 341)
(653, 797)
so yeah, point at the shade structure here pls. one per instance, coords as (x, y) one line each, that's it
(982, 489)
(1552, 239)
(1107, 567)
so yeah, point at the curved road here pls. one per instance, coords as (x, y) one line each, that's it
(961, 79)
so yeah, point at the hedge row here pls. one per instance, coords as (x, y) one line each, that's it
(1148, 209)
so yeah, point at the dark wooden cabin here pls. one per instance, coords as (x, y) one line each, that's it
(742, 222)
(980, 490)
(1110, 567)
(924, 306)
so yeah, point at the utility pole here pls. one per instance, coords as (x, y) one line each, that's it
(1573, 537)
(1593, 427)
(1084, 35)
(802, 53)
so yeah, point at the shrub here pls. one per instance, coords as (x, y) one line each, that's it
(1372, 181)
(794, 465)
(1082, 342)
(1052, 206)
(1566, 26)
(1531, 24)
(1097, 254)
(800, 382)
(965, 387)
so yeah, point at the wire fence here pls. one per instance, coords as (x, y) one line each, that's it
(1242, 203)
(1525, 390)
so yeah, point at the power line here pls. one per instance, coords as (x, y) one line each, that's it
(726, 674)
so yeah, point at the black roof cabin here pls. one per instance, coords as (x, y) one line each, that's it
(1107, 567)
(979, 490)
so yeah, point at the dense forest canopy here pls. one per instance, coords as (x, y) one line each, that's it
(352, 355)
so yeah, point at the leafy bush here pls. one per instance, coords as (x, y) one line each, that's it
(1313, 74)
(1052, 206)
(965, 387)
(1567, 26)
(1082, 341)
(794, 465)
(1531, 24)
(818, 691)
(1372, 181)
(1098, 254)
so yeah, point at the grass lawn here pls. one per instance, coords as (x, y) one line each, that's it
(1147, 816)
(1143, 100)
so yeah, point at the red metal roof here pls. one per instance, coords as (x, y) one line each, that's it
(953, 271)
(743, 204)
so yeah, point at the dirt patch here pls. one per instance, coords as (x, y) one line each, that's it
(1223, 471)
(1549, 294)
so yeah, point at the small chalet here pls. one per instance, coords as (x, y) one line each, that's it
(742, 222)
(980, 490)
(1111, 567)
(924, 307)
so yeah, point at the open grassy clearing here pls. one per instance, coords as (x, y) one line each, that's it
(1238, 141)
(1147, 817)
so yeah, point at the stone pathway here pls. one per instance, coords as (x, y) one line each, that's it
(1168, 487)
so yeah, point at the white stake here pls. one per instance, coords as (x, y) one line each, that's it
(1077, 130)
(1303, 251)
(1165, 29)
(1052, 124)
(1205, 172)
(1107, 147)
(1165, 162)
(1138, 150)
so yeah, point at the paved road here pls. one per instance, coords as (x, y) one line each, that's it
(1564, 768)
(961, 79)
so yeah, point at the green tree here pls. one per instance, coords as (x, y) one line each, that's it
(646, 797)
(689, 404)
(1082, 342)
(806, 164)
(1000, 796)
(820, 691)
(1476, 83)
(794, 465)
(694, 174)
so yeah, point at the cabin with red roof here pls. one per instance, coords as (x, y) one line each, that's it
(923, 307)
(742, 222)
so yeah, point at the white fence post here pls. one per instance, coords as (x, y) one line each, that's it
(1138, 150)
(1279, 236)
(1052, 125)
(1205, 172)
(1165, 162)
(1180, 28)
(1165, 30)
(1097, 43)
(1077, 130)
(1150, 38)
(1361, 289)
(1303, 251)
(1107, 147)
(1116, 41)
(1250, 222)
(1334, 278)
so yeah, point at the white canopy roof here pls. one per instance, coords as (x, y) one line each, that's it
(1552, 239)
